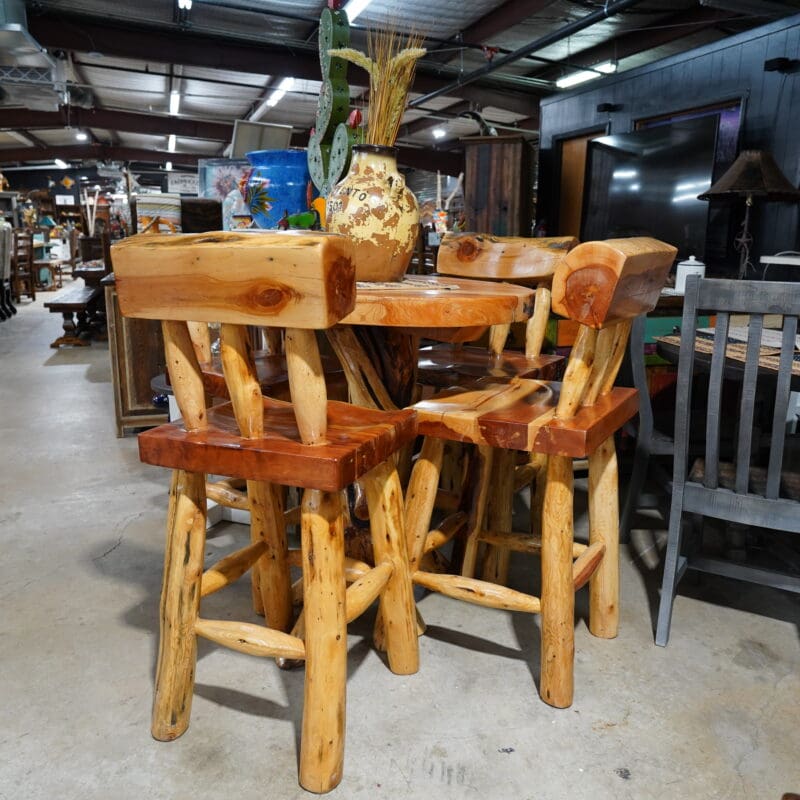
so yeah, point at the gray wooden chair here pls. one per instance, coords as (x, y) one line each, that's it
(743, 491)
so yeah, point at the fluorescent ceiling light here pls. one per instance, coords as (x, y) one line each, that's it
(284, 86)
(174, 101)
(619, 174)
(81, 136)
(439, 133)
(61, 164)
(171, 143)
(274, 98)
(185, 5)
(586, 75)
(168, 166)
(355, 7)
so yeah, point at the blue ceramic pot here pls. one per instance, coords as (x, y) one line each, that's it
(276, 186)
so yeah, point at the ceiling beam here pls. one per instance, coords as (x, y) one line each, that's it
(449, 163)
(80, 75)
(127, 121)
(84, 152)
(164, 45)
(662, 31)
(506, 16)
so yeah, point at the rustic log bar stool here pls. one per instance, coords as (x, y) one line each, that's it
(525, 261)
(301, 282)
(602, 285)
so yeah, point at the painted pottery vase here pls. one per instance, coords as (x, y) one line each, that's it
(277, 186)
(374, 208)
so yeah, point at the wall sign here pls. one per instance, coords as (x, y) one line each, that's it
(182, 183)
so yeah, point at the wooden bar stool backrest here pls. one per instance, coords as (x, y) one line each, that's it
(604, 286)
(513, 259)
(301, 282)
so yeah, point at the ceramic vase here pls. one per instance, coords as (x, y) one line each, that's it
(277, 186)
(374, 208)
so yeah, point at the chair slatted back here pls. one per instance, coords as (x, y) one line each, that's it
(301, 282)
(744, 487)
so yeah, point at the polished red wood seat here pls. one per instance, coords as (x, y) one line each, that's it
(357, 440)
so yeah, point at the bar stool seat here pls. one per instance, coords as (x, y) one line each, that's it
(357, 440)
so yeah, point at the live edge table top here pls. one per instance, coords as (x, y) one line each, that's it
(439, 301)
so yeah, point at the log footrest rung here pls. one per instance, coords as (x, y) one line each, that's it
(229, 569)
(482, 593)
(446, 531)
(226, 496)
(363, 592)
(522, 542)
(584, 566)
(255, 640)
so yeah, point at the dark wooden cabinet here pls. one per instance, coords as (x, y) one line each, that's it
(498, 185)
(137, 356)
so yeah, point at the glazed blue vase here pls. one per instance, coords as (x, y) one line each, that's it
(276, 186)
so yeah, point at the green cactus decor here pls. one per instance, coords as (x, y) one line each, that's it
(331, 141)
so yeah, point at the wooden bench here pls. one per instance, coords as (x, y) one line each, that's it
(80, 300)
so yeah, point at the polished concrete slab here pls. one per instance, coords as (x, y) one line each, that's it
(714, 715)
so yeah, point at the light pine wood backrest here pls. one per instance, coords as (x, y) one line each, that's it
(604, 286)
(300, 282)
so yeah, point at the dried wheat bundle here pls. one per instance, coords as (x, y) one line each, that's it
(391, 63)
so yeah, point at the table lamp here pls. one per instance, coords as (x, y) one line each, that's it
(753, 176)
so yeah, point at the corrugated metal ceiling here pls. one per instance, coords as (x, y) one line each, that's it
(221, 92)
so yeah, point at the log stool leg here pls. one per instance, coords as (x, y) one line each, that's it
(604, 528)
(180, 604)
(478, 484)
(558, 595)
(322, 744)
(501, 500)
(421, 496)
(271, 574)
(397, 609)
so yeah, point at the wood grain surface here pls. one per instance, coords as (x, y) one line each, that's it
(435, 301)
(520, 415)
(302, 280)
(357, 440)
(602, 282)
(511, 258)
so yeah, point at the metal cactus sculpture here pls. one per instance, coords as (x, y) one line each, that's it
(331, 139)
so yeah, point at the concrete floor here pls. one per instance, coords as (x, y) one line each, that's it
(714, 715)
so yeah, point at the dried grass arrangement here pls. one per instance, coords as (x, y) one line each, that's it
(391, 61)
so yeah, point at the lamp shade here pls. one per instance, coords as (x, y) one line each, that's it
(754, 173)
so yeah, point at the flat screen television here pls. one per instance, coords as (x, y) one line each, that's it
(646, 183)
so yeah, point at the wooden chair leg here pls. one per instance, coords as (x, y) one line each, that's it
(604, 528)
(322, 744)
(479, 484)
(501, 503)
(558, 595)
(180, 605)
(397, 609)
(272, 569)
(421, 496)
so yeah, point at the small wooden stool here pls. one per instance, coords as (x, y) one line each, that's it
(602, 285)
(301, 282)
